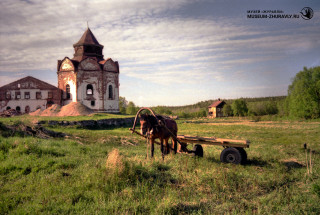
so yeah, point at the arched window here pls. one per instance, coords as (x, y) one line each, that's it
(50, 103)
(89, 89)
(110, 92)
(18, 109)
(68, 91)
(8, 95)
(27, 109)
(8, 108)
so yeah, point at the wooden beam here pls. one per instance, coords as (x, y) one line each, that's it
(214, 141)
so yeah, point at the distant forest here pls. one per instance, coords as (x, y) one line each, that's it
(303, 101)
(256, 107)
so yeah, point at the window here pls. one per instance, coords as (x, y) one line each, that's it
(38, 95)
(18, 95)
(89, 89)
(8, 95)
(8, 108)
(93, 103)
(50, 95)
(27, 95)
(110, 92)
(27, 109)
(68, 91)
(18, 109)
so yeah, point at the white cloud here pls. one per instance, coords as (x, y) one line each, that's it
(149, 45)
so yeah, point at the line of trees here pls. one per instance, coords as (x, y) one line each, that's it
(303, 101)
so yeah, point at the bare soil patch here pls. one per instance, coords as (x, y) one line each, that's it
(72, 109)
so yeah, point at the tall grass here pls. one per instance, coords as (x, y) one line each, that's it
(96, 172)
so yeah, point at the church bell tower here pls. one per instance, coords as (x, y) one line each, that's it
(87, 46)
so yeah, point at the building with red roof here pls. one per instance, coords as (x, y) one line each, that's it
(216, 109)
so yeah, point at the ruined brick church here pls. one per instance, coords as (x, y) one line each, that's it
(87, 78)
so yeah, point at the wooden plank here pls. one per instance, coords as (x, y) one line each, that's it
(214, 141)
(227, 144)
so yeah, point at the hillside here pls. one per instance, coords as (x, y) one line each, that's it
(203, 105)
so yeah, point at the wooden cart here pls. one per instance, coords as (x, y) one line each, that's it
(233, 152)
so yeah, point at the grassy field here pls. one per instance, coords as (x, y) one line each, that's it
(84, 174)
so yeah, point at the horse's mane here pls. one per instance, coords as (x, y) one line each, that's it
(153, 119)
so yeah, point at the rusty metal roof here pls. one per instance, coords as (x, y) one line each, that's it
(37, 84)
(88, 39)
(217, 103)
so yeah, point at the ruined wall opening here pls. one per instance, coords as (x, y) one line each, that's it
(27, 109)
(68, 96)
(110, 92)
(50, 95)
(8, 95)
(26, 95)
(38, 95)
(18, 109)
(8, 108)
(89, 89)
(18, 95)
(50, 103)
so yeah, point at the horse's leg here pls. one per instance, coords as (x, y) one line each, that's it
(152, 147)
(162, 148)
(167, 146)
(174, 144)
(161, 145)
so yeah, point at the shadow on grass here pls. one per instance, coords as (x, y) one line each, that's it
(106, 128)
(257, 162)
(185, 208)
(252, 162)
(211, 122)
(213, 160)
(158, 175)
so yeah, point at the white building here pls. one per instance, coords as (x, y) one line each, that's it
(28, 94)
(86, 78)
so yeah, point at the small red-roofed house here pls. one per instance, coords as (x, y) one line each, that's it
(216, 109)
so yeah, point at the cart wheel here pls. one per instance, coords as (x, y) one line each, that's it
(231, 155)
(197, 150)
(243, 155)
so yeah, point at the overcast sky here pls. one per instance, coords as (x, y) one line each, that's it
(170, 52)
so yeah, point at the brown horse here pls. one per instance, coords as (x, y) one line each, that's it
(151, 128)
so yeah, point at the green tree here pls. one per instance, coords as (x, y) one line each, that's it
(123, 103)
(131, 108)
(239, 107)
(303, 99)
(227, 110)
(162, 110)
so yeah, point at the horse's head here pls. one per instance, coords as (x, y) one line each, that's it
(145, 123)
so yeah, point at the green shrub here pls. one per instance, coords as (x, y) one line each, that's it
(304, 94)
(239, 107)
